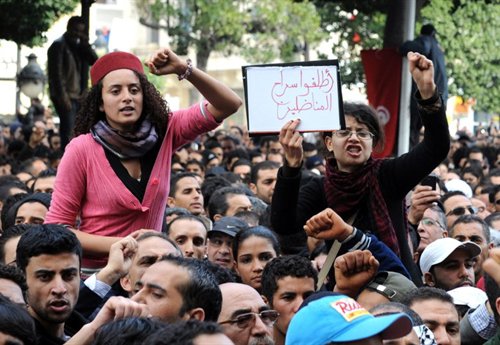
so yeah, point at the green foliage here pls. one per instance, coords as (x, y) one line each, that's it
(262, 30)
(352, 31)
(282, 28)
(468, 32)
(25, 21)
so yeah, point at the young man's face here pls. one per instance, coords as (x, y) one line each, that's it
(473, 232)
(264, 186)
(287, 299)
(456, 203)
(442, 319)
(455, 271)
(149, 251)
(159, 290)
(220, 249)
(188, 195)
(53, 286)
(191, 237)
(237, 203)
(31, 213)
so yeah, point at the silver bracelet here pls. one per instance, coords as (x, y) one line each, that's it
(189, 70)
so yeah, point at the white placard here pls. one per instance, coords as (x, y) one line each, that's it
(276, 94)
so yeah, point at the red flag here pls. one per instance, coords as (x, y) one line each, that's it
(383, 78)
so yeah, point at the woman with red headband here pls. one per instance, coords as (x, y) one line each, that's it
(115, 174)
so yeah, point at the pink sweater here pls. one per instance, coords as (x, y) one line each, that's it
(87, 186)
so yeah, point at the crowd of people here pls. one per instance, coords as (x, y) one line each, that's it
(154, 226)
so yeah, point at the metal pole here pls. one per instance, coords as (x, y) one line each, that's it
(18, 89)
(404, 98)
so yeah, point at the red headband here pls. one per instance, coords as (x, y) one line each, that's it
(114, 61)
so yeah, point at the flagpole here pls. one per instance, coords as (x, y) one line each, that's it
(404, 99)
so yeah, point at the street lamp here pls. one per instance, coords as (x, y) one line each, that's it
(31, 79)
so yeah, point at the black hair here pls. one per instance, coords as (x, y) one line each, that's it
(241, 161)
(5, 188)
(396, 307)
(428, 30)
(366, 115)
(221, 273)
(15, 275)
(428, 293)
(492, 194)
(161, 235)
(218, 201)
(489, 220)
(51, 239)
(285, 266)
(9, 233)
(265, 165)
(469, 219)
(212, 184)
(249, 217)
(493, 293)
(195, 162)
(190, 217)
(41, 198)
(258, 231)
(49, 172)
(16, 322)
(74, 21)
(451, 194)
(130, 331)
(201, 283)
(175, 180)
(212, 143)
(182, 333)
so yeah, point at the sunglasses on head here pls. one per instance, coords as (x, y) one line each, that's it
(460, 211)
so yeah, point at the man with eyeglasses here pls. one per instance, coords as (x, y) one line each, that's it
(244, 316)
(431, 227)
(456, 204)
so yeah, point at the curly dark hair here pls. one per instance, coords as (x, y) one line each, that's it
(155, 108)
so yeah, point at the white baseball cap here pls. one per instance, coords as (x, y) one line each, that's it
(437, 251)
(459, 185)
(469, 296)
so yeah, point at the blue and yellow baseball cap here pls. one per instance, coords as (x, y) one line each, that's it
(327, 317)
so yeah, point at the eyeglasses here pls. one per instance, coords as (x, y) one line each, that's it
(430, 222)
(243, 321)
(345, 133)
(460, 211)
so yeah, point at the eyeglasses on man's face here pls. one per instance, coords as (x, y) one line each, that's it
(460, 211)
(431, 222)
(346, 133)
(243, 321)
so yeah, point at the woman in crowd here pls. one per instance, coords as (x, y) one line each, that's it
(368, 193)
(253, 248)
(115, 174)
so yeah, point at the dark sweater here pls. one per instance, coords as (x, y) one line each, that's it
(292, 205)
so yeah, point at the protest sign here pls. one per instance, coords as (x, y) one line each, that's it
(278, 93)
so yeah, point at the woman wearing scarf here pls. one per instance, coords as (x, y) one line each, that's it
(369, 192)
(114, 176)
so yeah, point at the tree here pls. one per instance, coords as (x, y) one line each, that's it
(26, 21)
(466, 31)
(261, 30)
